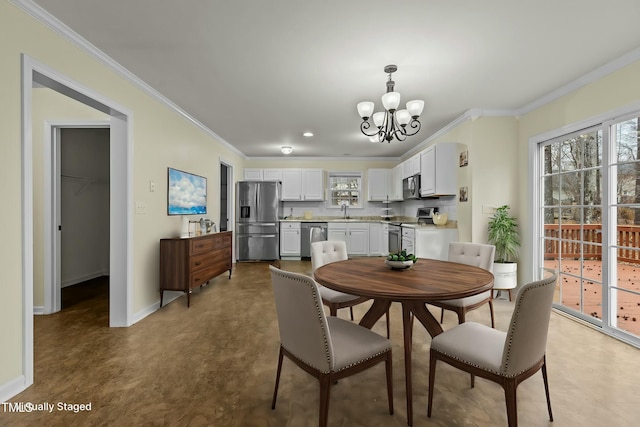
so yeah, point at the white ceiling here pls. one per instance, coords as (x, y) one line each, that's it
(260, 73)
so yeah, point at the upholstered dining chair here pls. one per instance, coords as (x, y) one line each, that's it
(328, 348)
(478, 255)
(325, 252)
(507, 358)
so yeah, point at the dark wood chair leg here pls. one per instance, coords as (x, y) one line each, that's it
(389, 368)
(333, 310)
(461, 315)
(441, 315)
(325, 392)
(432, 378)
(511, 400)
(351, 310)
(388, 327)
(493, 325)
(546, 387)
(275, 389)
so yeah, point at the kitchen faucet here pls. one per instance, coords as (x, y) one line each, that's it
(344, 208)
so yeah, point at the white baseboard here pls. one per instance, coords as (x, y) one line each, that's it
(169, 296)
(12, 388)
(38, 310)
(83, 278)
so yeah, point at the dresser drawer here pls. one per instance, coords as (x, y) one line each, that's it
(200, 261)
(221, 254)
(197, 278)
(202, 245)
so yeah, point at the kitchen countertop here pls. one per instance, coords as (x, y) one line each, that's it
(411, 222)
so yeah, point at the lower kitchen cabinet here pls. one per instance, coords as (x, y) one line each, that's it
(355, 234)
(289, 239)
(434, 242)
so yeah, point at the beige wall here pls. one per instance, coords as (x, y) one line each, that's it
(609, 93)
(161, 138)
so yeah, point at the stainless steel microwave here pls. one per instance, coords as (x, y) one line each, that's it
(411, 187)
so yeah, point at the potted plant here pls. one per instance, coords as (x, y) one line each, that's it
(503, 234)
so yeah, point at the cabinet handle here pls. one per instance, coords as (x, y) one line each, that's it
(198, 263)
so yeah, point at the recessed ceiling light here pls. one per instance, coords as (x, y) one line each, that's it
(286, 149)
(308, 134)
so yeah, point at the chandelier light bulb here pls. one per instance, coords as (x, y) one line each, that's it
(391, 100)
(403, 117)
(415, 108)
(378, 118)
(365, 109)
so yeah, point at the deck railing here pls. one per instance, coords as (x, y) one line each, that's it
(568, 242)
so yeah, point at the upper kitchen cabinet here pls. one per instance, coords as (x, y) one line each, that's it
(272, 174)
(438, 170)
(396, 183)
(252, 174)
(384, 184)
(302, 184)
(411, 166)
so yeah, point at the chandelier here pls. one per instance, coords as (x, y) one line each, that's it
(391, 123)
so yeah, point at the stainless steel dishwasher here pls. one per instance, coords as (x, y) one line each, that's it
(311, 232)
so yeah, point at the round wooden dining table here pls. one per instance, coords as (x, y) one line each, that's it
(427, 280)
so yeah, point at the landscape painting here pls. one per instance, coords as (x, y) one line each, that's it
(187, 193)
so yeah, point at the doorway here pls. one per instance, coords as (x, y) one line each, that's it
(120, 193)
(82, 207)
(226, 195)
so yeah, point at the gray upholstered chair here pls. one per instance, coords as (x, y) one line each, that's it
(507, 358)
(478, 255)
(325, 252)
(328, 348)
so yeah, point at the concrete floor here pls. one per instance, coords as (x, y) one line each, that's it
(214, 365)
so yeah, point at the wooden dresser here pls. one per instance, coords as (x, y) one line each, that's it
(186, 263)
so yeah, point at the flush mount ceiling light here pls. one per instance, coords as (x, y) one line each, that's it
(391, 123)
(286, 149)
(308, 134)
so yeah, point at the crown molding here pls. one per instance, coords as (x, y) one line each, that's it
(67, 33)
(320, 159)
(584, 80)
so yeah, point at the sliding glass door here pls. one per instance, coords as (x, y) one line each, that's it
(589, 223)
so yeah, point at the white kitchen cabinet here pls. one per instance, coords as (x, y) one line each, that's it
(251, 174)
(433, 242)
(395, 190)
(289, 239)
(408, 239)
(291, 184)
(313, 184)
(411, 166)
(272, 174)
(355, 234)
(438, 170)
(375, 239)
(378, 185)
(302, 184)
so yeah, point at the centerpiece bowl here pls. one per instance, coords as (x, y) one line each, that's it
(398, 265)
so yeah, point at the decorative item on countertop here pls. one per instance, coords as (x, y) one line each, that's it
(401, 261)
(185, 227)
(440, 218)
(308, 215)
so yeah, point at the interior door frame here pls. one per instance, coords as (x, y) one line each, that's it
(121, 198)
(52, 212)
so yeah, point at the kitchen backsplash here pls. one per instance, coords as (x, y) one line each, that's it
(406, 208)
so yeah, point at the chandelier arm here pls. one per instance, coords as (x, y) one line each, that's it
(364, 126)
(413, 124)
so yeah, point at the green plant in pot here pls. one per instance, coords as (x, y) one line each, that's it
(503, 234)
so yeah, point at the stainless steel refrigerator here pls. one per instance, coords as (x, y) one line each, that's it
(258, 210)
